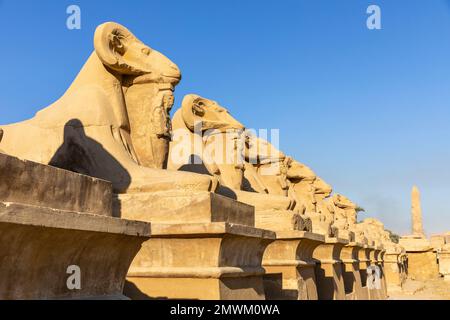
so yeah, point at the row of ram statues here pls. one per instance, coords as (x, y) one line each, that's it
(103, 195)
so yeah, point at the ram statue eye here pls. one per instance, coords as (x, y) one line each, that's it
(117, 44)
(198, 110)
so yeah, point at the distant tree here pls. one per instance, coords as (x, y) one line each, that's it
(359, 209)
(394, 237)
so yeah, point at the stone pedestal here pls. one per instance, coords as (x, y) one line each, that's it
(422, 265)
(447, 237)
(290, 267)
(330, 281)
(437, 242)
(31, 183)
(205, 246)
(52, 219)
(176, 207)
(364, 263)
(281, 220)
(209, 261)
(393, 271)
(379, 254)
(344, 234)
(444, 262)
(37, 246)
(375, 276)
(403, 266)
(422, 260)
(351, 272)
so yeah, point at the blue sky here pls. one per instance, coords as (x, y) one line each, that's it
(368, 110)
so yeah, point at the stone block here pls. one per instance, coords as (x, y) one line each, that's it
(38, 244)
(415, 244)
(447, 238)
(437, 242)
(376, 283)
(51, 219)
(351, 272)
(281, 220)
(32, 183)
(289, 266)
(330, 281)
(444, 262)
(364, 264)
(422, 261)
(209, 261)
(393, 272)
(422, 265)
(183, 207)
(380, 252)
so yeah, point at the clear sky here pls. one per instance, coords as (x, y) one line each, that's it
(368, 110)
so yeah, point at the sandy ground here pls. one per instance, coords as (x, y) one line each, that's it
(416, 290)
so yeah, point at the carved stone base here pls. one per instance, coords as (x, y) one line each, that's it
(190, 288)
(260, 201)
(289, 266)
(318, 225)
(345, 234)
(52, 219)
(352, 277)
(415, 244)
(444, 262)
(364, 263)
(422, 266)
(379, 262)
(330, 281)
(37, 245)
(381, 255)
(217, 261)
(422, 260)
(282, 220)
(376, 280)
(393, 272)
(182, 207)
(28, 182)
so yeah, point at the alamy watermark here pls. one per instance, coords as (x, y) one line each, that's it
(374, 277)
(374, 19)
(73, 21)
(74, 280)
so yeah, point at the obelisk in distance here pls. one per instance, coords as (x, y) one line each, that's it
(416, 212)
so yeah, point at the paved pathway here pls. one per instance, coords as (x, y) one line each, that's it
(431, 290)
